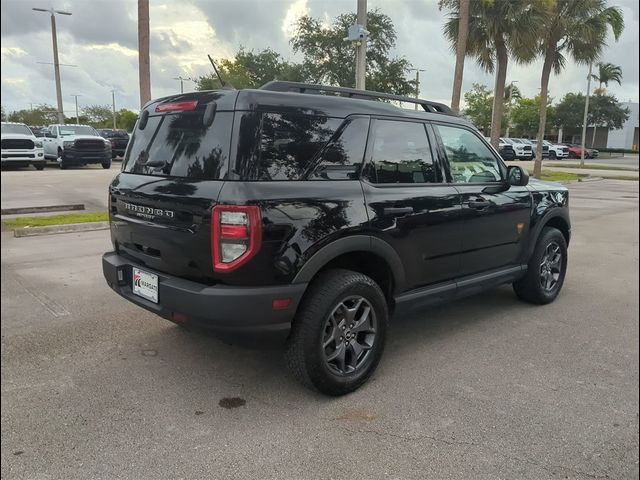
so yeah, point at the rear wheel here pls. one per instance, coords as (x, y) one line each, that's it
(546, 270)
(339, 333)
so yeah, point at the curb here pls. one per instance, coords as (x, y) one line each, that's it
(42, 209)
(55, 229)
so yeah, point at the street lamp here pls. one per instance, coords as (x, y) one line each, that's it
(77, 117)
(418, 70)
(56, 63)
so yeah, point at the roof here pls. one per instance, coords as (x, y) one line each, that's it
(14, 123)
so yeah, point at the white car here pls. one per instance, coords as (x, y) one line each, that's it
(20, 147)
(76, 145)
(523, 150)
(556, 151)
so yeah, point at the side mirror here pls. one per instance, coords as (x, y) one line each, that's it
(517, 176)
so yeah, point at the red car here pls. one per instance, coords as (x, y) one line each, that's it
(575, 151)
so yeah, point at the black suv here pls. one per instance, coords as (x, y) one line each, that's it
(319, 212)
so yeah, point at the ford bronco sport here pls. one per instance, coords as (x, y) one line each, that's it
(319, 212)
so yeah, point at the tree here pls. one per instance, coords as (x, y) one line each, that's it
(460, 47)
(99, 116)
(39, 115)
(3, 116)
(569, 113)
(570, 27)
(607, 72)
(478, 102)
(497, 30)
(327, 58)
(526, 116)
(251, 70)
(606, 112)
(511, 93)
(126, 119)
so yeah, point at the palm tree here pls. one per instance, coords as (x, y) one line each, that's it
(497, 29)
(461, 47)
(571, 27)
(607, 72)
(511, 93)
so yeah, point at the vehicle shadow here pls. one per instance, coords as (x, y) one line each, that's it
(255, 367)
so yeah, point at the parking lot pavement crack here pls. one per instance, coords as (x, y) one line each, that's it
(53, 307)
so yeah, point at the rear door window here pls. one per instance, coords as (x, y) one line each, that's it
(289, 143)
(180, 145)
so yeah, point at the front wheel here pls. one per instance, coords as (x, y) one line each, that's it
(339, 332)
(546, 270)
(106, 165)
(552, 155)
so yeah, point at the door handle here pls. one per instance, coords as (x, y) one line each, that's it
(479, 203)
(397, 210)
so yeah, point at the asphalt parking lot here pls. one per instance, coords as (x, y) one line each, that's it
(93, 387)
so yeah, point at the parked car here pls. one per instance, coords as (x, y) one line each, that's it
(119, 140)
(296, 209)
(545, 148)
(557, 151)
(76, 145)
(575, 151)
(523, 151)
(20, 147)
(505, 150)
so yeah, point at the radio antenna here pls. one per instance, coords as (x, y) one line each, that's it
(215, 69)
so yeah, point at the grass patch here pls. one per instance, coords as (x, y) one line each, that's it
(553, 176)
(46, 221)
(592, 167)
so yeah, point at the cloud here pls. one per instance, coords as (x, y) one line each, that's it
(101, 39)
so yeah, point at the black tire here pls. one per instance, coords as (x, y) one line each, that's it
(531, 287)
(572, 155)
(552, 155)
(106, 165)
(306, 356)
(39, 166)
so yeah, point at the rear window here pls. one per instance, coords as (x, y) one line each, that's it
(180, 145)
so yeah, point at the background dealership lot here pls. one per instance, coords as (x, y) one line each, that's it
(94, 387)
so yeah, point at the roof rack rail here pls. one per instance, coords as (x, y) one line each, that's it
(282, 86)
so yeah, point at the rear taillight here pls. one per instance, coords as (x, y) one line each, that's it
(236, 235)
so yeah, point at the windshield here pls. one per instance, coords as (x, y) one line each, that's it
(66, 130)
(19, 129)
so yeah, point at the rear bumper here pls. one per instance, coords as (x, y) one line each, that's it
(221, 308)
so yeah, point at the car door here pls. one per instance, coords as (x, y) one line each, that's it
(495, 217)
(49, 145)
(409, 206)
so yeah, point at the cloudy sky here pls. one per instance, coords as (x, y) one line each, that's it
(100, 38)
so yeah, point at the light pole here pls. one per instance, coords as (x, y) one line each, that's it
(584, 118)
(510, 105)
(361, 49)
(418, 70)
(113, 107)
(56, 63)
(144, 68)
(77, 116)
(182, 79)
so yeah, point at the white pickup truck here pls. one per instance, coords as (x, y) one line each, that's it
(20, 147)
(76, 145)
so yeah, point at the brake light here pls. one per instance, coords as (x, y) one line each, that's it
(236, 235)
(177, 106)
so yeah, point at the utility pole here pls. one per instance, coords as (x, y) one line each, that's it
(56, 62)
(144, 71)
(584, 118)
(418, 70)
(510, 105)
(113, 107)
(361, 48)
(182, 79)
(77, 116)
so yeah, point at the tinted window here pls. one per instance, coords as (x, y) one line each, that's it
(290, 142)
(400, 153)
(342, 158)
(470, 159)
(66, 130)
(180, 145)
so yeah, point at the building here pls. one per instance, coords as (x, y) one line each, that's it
(625, 137)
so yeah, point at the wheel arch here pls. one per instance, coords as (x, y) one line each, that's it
(556, 218)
